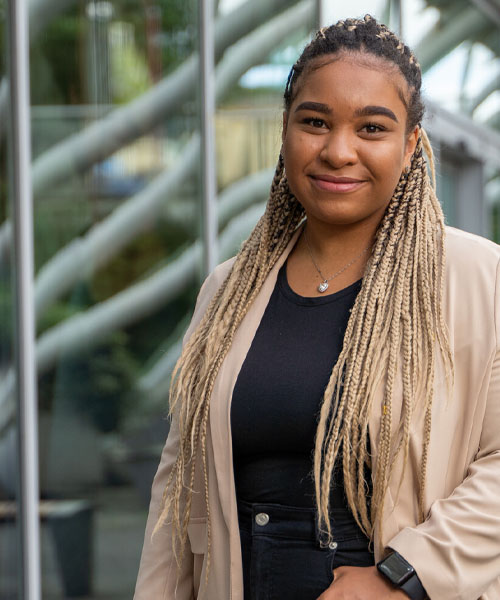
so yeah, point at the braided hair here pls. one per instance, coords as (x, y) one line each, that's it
(369, 37)
(396, 323)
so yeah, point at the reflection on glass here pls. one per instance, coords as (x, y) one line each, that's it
(117, 220)
(9, 531)
(114, 223)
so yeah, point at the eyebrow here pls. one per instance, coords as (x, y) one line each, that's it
(366, 111)
(315, 106)
(369, 111)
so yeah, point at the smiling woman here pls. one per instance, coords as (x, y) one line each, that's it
(335, 408)
(347, 138)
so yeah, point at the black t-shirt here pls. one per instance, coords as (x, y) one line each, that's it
(277, 398)
(278, 394)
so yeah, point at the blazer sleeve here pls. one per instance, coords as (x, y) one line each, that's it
(456, 551)
(158, 578)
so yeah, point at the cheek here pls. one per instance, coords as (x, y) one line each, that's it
(386, 162)
(294, 156)
(298, 148)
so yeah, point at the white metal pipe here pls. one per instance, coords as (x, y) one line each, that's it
(208, 170)
(24, 299)
(397, 21)
(320, 14)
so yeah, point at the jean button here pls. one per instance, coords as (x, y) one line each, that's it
(262, 519)
(332, 545)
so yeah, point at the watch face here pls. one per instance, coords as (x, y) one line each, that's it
(396, 569)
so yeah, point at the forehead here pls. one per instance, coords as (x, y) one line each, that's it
(355, 79)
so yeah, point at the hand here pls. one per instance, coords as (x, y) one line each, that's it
(361, 583)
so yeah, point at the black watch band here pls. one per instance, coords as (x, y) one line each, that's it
(414, 589)
(402, 575)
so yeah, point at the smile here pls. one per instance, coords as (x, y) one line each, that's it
(330, 184)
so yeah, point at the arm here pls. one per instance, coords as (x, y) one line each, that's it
(158, 578)
(456, 551)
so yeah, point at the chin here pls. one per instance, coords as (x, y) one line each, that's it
(339, 218)
(345, 219)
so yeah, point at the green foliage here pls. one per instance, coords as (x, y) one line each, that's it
(104, 377)
(129, 74)
(60, 58)
(6, 312)
(178, 35)
(495, 222)
(95, 383)
(56, 69)
(55, 314)
(58, 220)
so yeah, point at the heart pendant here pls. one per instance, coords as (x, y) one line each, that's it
(323, 286)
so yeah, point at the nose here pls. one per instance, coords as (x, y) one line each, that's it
(339, 148)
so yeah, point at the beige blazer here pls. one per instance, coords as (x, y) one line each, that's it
(456, 551)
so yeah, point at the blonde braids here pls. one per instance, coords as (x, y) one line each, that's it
(397, 295)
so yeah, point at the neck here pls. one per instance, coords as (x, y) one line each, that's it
(331, 242)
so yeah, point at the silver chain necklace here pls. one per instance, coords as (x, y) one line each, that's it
(323, 286)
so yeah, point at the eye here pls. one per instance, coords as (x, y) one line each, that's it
(314, 122)
(373, 128)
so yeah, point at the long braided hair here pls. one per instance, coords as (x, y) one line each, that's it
(396, 323)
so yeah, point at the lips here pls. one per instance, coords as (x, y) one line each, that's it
(330, 183)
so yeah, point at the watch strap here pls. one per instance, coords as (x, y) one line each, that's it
(414, 589)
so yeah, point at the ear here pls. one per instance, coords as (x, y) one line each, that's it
(411, 144)
(285, 123)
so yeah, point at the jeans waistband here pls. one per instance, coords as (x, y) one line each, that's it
(294, 522)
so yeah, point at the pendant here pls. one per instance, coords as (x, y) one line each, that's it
(323, 286)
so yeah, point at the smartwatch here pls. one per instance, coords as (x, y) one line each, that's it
(402, 575)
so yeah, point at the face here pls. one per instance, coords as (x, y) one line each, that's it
(344, 139)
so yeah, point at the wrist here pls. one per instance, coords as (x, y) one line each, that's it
(400, 573)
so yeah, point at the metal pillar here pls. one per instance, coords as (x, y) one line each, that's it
(18, 28)
(320, 14)
(209, 178)
(397, 18)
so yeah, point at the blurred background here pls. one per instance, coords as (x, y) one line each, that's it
(116, 106)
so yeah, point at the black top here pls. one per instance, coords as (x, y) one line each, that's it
(277, 397)
(278, 393)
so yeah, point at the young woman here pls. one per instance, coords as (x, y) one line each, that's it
(336, 407)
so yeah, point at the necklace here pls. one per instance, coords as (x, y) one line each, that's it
(323, 286)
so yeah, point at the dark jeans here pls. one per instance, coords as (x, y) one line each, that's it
(282, 557)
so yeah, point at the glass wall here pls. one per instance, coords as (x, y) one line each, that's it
(249, 115)
(118, 226)
(9, 465)
(115, 110)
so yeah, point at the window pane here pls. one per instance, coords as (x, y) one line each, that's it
(249, 117)
(9, 531)
(117, 196)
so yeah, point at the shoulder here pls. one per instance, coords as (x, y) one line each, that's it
(467, 249)
(472, 282)
(471, 259)
(216, 278)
